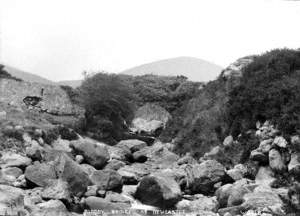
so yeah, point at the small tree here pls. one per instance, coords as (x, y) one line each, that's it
(108, 104)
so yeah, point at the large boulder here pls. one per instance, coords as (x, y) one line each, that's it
(72, 173)
(187, 159)
(159, 155)
(50, 208)
(202, 177)
(228, 141)
(40, 174)
(150, 118)
(160, 191)
(264, 200)
(200, 203)
(238, 172)
(118, 198)
(10, 175)
(62, 145)
(57, 189)
(121, 154)
(142, 155)
(280, 142)
(265, 176)
(88, 169)
(11, 200)
(132, 174)
(94, 153)
(294, 165)
(11, 159)
(232, 194)
(33, 197)
(115, 164)
(146, 126)
(223, 194)
(132, 144)
(276, 161)
(265, 145)
(107, 180)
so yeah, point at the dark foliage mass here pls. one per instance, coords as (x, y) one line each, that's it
(110, 100)
(170, 92)
(203, 115)
(269, 89)
(108, 104)
(4, 74)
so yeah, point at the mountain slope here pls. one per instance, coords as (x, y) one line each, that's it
(29, 77)
(72, 83)
(193, 68)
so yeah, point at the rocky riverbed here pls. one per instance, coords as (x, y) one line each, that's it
(69, 177)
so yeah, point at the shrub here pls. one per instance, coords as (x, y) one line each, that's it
(269, 89)
(4, 74)
(106, 97)
(170, 92)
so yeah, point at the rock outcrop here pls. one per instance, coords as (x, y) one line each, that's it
(45, 98)
(158, 191)
(150, 118)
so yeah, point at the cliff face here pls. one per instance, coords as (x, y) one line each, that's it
(45, 98)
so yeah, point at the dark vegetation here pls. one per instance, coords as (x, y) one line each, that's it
(200, 123)
(5, 75)
(269, 89)
(170, 92)
(110, 100)
(61, 131)
(203, 115)
(108, 103)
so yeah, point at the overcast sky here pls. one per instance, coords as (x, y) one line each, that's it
(58, 39)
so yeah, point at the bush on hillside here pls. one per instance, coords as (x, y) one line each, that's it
(108, 104)
(269, 89)
(5, 75)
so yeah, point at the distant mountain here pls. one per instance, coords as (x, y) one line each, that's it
(29, 77)
(194, 69)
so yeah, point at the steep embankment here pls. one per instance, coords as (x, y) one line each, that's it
(200, 123)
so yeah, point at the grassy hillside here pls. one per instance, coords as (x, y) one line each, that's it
(29, 77)
(268, 89)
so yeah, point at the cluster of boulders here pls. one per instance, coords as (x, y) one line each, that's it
(274, 190)
(68, 177)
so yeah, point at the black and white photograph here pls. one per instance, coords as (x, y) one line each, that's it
(149, 107)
